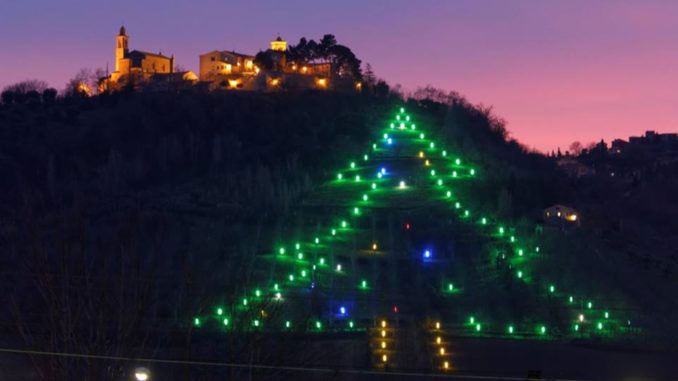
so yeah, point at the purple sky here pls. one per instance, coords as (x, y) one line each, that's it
(557, 71)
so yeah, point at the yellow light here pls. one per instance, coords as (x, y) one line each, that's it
(572, 217)
(383, 345)
(233, 83)
(437, 325)
(438, 340)
(442, 350)
(321, 82)
(359, 85)
(249, 64)
(275, 82)
(383, 323)
(446, 365)
(421, 154)
(304, 69)
(384, 358)
(294, 67)
(383, 333)
(427, 163)
(374, 246)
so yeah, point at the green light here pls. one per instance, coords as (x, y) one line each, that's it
(440, 182)
(334, 231)
(576, 327)
(473, 172)
(257, 293)
(537, 249)
(291, 277)
(322, 261)
(478, 327)
(466, 213)
(303, 273)
(300, 256)
(450, 287)
(365, 157)
(402, 110)
(590, 305)
(407, 118)
(513, 239)
(244, 302)
(501, 230)
(454, 173)
(449, 194)
(433, 172)
(510, 329)
(297, 246)
(339, 176)
(542, 329)
(363, 284)
(457, 205)
(318, 324)
(401, 185)
(421, 136)
(571, 299)
(220, 311)
(520, 252)
(196, 322)
(392, 126)
(282, 251)
(278, 296)
(520, 274)
(365, 197)
(344, 224)
(444, 153)
(338, 267)
(374, 147)
(356, 210)
(256, 322)
(483, 221)
(471, 320)
(352, 165)
(600, 326)
(374, 186)
(607, 315)
(432, 145)
(398, 117)
(552, 289)
(225, 321)
(287, 324)
(276, 287)
(317, 240)
(350, 324)
(457, 161)
(357, 178)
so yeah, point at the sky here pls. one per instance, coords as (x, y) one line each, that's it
(556, 71)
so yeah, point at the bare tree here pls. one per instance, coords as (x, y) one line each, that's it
(576, 148)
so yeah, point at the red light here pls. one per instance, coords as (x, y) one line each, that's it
(395, 309)
(407, 226)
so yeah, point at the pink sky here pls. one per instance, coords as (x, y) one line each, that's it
(556, 71)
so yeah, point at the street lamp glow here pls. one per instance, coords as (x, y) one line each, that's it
(142, 374)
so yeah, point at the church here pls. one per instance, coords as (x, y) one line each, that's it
(136, 66)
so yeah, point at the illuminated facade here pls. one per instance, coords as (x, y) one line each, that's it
(140, 66)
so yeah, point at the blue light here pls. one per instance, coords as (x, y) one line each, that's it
(390, 141)
(427, 254)
(383, 171)
(342, 310)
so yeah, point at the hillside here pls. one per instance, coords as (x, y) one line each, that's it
(142, 212)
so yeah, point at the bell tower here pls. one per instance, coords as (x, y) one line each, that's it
(120, 47)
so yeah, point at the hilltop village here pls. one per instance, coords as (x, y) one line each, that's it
(308, 65)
